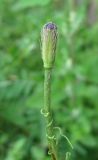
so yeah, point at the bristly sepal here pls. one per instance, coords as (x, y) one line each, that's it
(49, 41)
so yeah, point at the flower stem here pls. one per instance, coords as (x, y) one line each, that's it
(48, 114)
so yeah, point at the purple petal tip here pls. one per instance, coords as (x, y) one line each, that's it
(50, 26)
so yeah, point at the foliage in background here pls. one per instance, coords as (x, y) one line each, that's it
(75, 79)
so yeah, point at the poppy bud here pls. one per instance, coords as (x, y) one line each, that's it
(49, 41)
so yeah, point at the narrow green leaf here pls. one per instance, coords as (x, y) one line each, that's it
(23, 4)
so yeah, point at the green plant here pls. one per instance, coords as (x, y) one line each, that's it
(49, 40)
(21, 78)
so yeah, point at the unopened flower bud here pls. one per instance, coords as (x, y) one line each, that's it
(49, 40)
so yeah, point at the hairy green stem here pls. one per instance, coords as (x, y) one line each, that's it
(48, 114)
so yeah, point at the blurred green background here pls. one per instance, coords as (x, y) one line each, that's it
(74, 82)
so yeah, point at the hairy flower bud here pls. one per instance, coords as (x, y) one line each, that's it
(49, 40)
